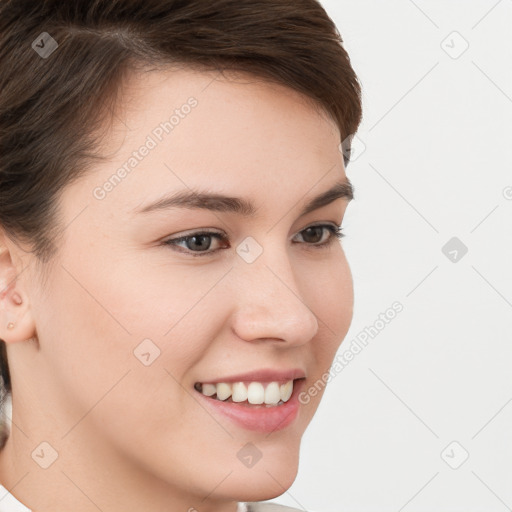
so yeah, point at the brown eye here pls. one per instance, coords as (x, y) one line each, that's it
(198, 244)
(313, 235)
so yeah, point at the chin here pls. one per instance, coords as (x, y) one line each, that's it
(261, 486)
(269, 478)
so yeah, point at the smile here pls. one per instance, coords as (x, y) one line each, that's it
(271, 394)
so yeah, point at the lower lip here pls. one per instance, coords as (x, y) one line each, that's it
(259, 417)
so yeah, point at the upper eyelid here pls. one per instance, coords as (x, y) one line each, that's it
(211, 231)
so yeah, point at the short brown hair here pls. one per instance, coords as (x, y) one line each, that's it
(51, 107)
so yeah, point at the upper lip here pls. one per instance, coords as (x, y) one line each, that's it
(263, 375)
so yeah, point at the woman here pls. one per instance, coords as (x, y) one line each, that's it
(173, 288)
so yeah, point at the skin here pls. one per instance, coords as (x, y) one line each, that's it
(132, 437)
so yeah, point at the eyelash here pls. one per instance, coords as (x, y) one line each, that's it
(336, 234)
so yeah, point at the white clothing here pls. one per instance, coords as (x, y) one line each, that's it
(8, 503)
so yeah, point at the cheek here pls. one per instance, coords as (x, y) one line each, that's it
(332, 301)
(120, 315)
(113, 358)
(84, 342)
(332, 294)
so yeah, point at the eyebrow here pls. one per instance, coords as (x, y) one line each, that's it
(192, 199)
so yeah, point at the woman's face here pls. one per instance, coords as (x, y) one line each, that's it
(128, 324)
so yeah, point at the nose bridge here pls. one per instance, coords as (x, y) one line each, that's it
(269, 302)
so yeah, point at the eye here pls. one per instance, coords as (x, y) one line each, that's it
(199, 243)
(334, 232)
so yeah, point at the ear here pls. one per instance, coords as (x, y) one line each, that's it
(16, 321)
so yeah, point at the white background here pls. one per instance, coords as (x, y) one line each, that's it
(438, 137)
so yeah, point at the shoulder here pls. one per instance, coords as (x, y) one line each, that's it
(270, 507)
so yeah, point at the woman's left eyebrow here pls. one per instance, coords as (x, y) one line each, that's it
(196, 199)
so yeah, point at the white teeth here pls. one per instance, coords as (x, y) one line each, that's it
(286, 390)
(255, 393)
(239, 392)
(209, 389)
(272, 393)
(223, 391)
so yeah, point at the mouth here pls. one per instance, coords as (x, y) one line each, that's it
(249, 393)
(259, 405)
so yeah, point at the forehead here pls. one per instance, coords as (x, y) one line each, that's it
(181, 128)
(229, 104)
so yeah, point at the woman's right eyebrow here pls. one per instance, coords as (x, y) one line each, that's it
(207, 200)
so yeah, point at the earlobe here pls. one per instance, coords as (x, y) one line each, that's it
(16, 322)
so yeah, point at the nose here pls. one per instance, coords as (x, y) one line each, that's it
(270, 305)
